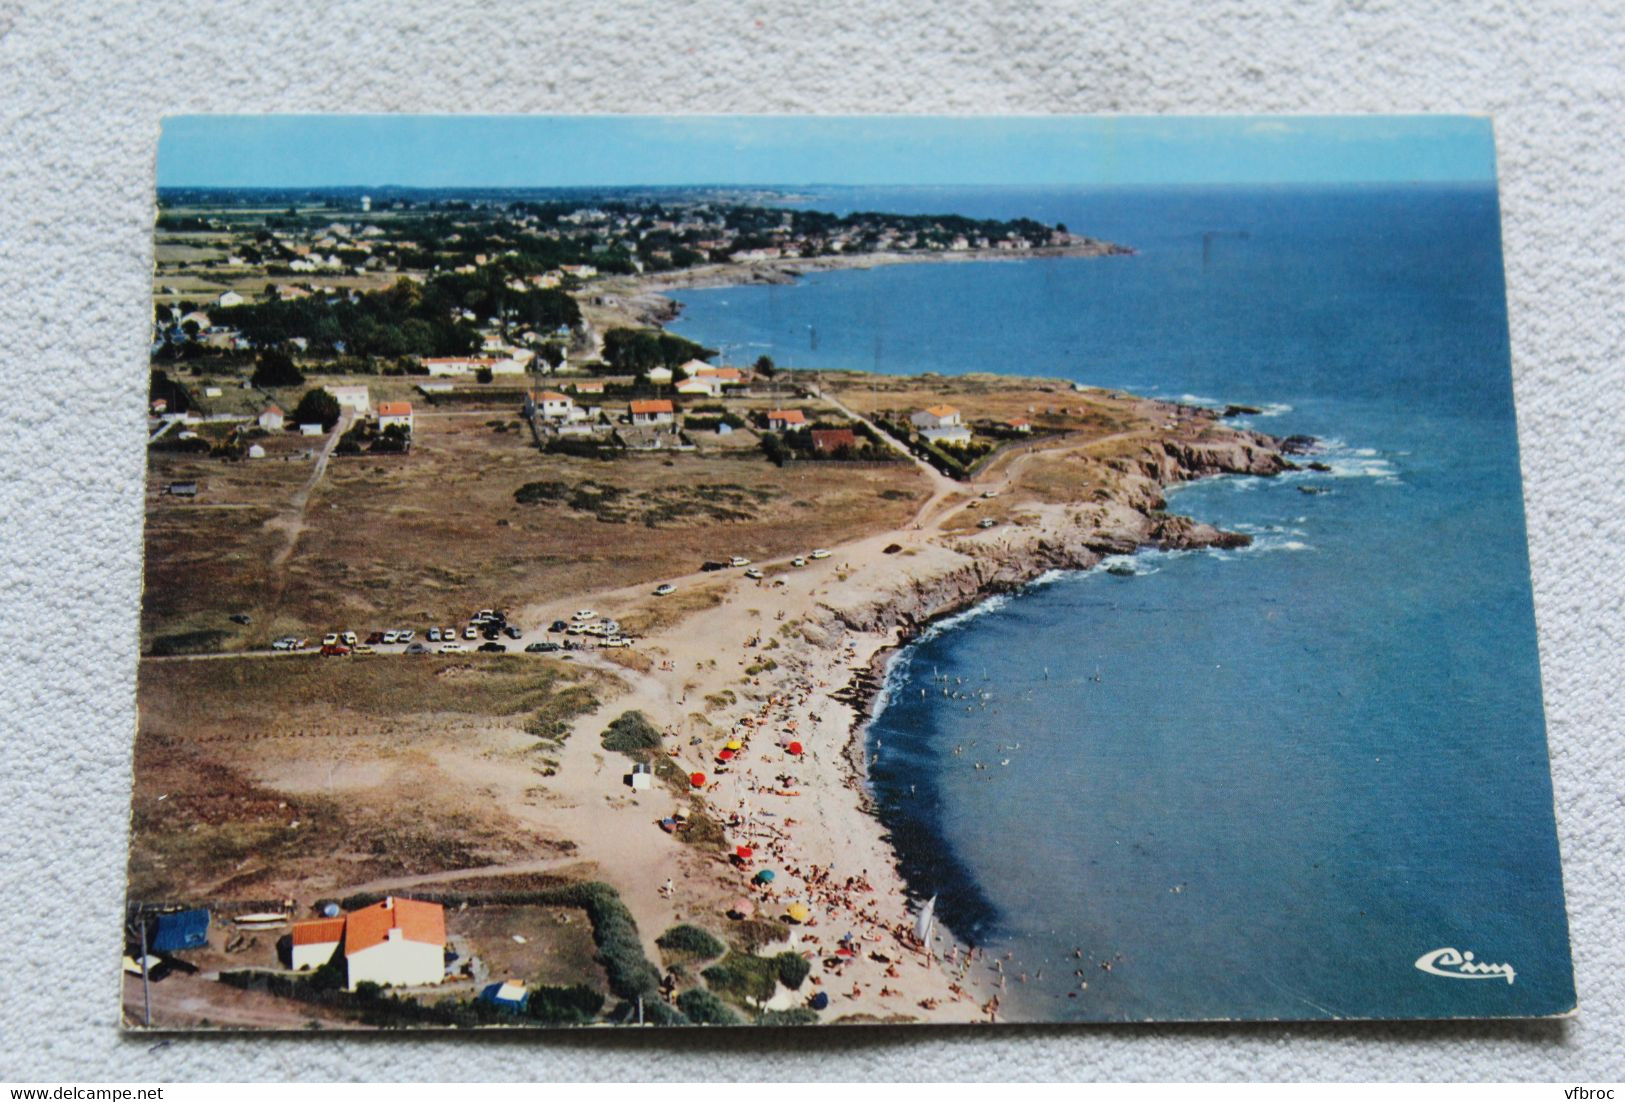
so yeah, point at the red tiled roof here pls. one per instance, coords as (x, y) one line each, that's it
(552, 396)
(394, 409)
(941, 411)
(788, 416)
(416, 920)
(318, 931)
(652, 405)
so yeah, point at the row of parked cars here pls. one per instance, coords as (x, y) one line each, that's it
(488, 624)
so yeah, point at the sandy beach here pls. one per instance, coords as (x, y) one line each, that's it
(793, 658)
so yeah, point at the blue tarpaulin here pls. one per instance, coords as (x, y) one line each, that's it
(179, 930)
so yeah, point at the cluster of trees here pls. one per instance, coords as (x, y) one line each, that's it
(408, 319)
(174, 395)
(637, 351)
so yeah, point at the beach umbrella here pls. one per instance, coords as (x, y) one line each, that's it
(797, 912)
(744, 853)
(697, 780)
(765, 876)
(735, 744)
(742, 907)
(725, 755)
(819, 1001)
(794, 748)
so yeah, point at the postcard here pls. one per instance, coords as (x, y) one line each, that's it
(615, 571)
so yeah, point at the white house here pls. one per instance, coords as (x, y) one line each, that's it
(660, 376)
(315, 942)
(506, 366)
(947, 434)
(695, 368)
(272, 418)
(395, 413)
(432, 387)
(935, 417)
(352, 397)
(454, 365)
(657, 411)
(780, 419)
(396, 942)
(708, 385)
(230, 298)
(314, 428)
(555, 406)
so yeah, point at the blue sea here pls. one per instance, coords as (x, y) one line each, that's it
(1258, 783)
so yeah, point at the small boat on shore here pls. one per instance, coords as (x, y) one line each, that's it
(261, 918)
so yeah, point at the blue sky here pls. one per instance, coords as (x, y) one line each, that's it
(567, 151)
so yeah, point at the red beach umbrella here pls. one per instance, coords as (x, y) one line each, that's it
(794, 748)
(697, 780)
(725, 755)
(744, 853)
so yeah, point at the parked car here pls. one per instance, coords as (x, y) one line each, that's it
(709, 566)
(434, 635)
(542, 648)
(665, 590)
(375, 638)
(471, 632)
(334, 650)
(990, 494)
(493, 648)
(820, 553)
(452, 648)
(986, 522)
(447, 634)
(754, 573)
(330, 638)
(739, 560)
(288, 642)
(417, 648)
(363, 649)
(241, 618)
(406, 636)
(349, 638)
(798, 561)
(391, 637)
(617, 641)
(512, 632)
(584, 614)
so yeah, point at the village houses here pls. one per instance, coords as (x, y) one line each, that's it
(395, 413)
(653, 411)
(272, 418)
(781, 419)
(353, 398)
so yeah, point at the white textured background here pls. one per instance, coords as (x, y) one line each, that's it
(82, 88)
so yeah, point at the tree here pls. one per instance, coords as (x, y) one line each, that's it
(765, 366)
(276, 368)
(317, 407)
(483, 375)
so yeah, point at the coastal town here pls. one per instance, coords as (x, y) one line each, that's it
(505, 654)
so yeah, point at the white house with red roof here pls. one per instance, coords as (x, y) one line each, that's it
(272, 418)
(393, 943)
(555, 406)
(653, 411)
(395, 413)
(780, 419)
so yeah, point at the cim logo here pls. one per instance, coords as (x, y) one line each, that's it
(1454, 964)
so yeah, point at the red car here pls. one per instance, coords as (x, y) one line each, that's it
(375, 638)
(335, 650)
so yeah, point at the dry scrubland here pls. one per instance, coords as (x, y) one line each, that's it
(261, 777)
(422, 540)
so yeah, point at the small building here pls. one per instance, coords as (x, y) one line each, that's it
(255, 451)
(507, 365)
(508, 995)
(272, 418)
(181, 489)
(555, 406)
(178, 930)
(830, 441)
(659, 376)
(435, 386)
(693, 369)
(642, 777)
(706, 385)
(781, 419)
(352, 397)
(311, 429)
(1019, 424)
(395, 942)
(653, 411)
(948, 434)
(395, 413)
(230, 298)
(315, 942)
(464, 365)
(212, 392)
(935, 417)
(587, 386)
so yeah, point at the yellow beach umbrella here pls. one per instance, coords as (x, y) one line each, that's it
(734, 744)
(797, 912)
